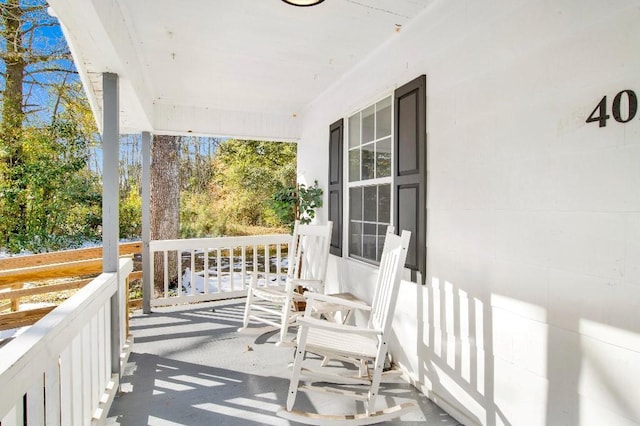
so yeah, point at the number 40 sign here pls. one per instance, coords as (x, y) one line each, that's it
(601, 116)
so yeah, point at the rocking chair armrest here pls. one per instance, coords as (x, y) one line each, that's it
(342, 328)
(337, 301)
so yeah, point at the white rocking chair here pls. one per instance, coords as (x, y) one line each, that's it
(351, 343)
(279, 306)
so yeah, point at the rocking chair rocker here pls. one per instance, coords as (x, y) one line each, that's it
(351, 343)
(280, 306)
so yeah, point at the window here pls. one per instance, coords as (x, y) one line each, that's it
(386, 169)
(370, 179)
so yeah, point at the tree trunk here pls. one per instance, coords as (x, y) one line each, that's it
(12, 110)
(13, 113)
(165, 202)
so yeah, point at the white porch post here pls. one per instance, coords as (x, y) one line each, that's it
(146, 223)
(110, 202)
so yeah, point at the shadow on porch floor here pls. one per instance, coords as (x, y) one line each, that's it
(190, 366)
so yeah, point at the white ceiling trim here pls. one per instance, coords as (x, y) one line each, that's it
(202, 121)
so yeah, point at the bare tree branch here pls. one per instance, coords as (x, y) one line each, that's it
(39, 83)
(50, 70)
(38, 26)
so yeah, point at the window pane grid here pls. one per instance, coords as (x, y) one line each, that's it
(369, 218)
(370, 142)
(370, 162)
(378, 156)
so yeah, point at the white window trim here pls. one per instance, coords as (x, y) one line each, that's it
(369, 182)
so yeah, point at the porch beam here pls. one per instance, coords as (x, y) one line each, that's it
(110, 202)
(146, 222)
(198, 120)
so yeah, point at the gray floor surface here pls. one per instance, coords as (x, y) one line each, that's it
(190, 366)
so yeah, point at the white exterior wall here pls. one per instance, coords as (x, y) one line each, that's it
(531, 312)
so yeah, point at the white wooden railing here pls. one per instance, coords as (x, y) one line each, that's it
(217, 268)
(59, 371)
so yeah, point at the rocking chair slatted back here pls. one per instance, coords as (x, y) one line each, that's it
(386, 293)
(280, 305)
(309, 252)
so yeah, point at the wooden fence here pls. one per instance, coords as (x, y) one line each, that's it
(26, 276)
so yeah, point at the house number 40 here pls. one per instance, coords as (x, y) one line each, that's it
(600, 115)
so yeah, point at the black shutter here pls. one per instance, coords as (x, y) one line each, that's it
(411, 169)
(335, 185)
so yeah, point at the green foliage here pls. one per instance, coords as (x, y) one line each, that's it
(297, 202)
(245, 175)
(130, 211)
(285, 204)
(196, 218)
(49, 200)
(228, 193)
(309, 199)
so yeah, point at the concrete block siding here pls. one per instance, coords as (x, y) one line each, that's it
(530, 315)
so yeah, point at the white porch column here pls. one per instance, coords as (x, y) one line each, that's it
(110, 201)
(147, 288)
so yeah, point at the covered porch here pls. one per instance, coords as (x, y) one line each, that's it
(522, 303)
(190, 366)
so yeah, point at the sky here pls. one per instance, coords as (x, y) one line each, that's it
(45, 37)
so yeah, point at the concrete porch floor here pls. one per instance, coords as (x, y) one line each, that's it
(190, 366)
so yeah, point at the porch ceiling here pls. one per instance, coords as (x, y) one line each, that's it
(222, 67)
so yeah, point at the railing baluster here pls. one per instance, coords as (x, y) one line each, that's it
(124, 309)
(243, 267)
(219, 268)
(179, 290)
(77, 397)
(35, 402)
(166, 273)
(107, 349)
(14, 417)
(255, 262)
(231, 270)
(278, 263)
(152, 273)
(95, 369)
(66, 387)
(193, 274)
(206, 270)
(102, 356)
(52, 394)
(267, 265)
(85, 376)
